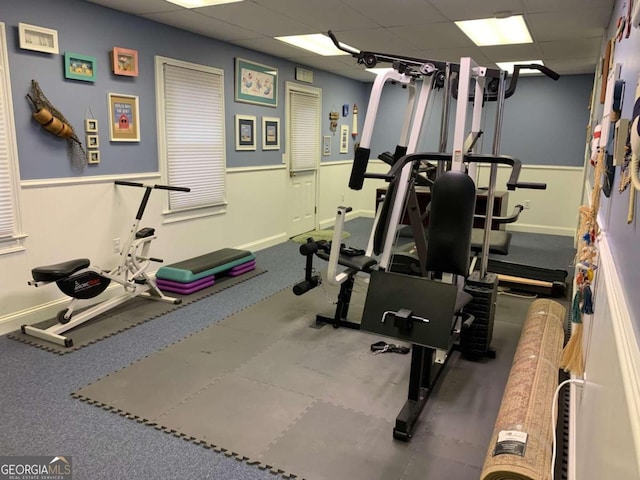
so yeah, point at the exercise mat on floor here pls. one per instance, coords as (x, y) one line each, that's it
(263, 386)
(520, 448)
(136, 311)
(318, 235)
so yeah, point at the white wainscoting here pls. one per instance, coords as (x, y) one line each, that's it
(605, 413)
(553, 211)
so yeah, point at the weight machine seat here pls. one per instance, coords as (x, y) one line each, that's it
(499, 241)
(361, 263)
(52, 273)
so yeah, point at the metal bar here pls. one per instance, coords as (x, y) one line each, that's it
(491, 193)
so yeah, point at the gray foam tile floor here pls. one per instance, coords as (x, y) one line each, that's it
(239, 414)
(332, 442)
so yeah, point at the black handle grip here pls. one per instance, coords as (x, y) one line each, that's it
(129, 184)
(169, 187)
(532, 185)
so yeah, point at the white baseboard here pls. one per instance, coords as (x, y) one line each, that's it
(545, 229)
(45, 311)
(330, 222)
(265, 242)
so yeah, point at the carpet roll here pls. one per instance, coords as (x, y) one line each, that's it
(521, 444)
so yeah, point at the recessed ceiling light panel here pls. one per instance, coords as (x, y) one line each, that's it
(200, 3)
(316, 43)
(496, 31)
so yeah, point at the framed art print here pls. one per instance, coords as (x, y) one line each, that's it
(245, 132)
(270, 133)
(124, 121)
(256, 83)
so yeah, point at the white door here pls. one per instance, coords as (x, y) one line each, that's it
(303, 107)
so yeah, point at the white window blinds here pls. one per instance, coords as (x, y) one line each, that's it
(194, 134)
(7, 149)
(305, 131)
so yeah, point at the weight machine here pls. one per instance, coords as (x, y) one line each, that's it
(434, 315)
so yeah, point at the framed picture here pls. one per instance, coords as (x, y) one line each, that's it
(124, 122)
(256, 83)
(92, 141)
(39, 39)
(326, 145)
(93, 156)
(270, 133)
(245, 132)
(80, 67)
(124, 61)
(344, 138)
(90, 125)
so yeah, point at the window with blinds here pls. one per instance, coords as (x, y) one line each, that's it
(191, 132)
(9, 239)
(305, 128)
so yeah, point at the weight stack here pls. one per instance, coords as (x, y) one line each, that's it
(475, 341)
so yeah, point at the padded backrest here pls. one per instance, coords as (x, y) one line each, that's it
(453, 199)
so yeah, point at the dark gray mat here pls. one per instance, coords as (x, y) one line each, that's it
(314, 403)
(128, 315)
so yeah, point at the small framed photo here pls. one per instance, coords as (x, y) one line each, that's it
(270, 133)
(92, 141)
(326, 145)
(124, 120)
(80, 67)
(344, 138)
(39, 39)
(245, 132)
(125, 61)
(93, 156)
(90, 125)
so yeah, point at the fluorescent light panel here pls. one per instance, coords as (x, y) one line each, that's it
(200, 3)
(496, 31)
(378, 70)
(508, 66)
(316, 43)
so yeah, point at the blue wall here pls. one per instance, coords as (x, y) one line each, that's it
(544, 121)
(624, 238)
(89, 29)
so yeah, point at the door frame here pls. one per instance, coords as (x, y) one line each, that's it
(298, 87)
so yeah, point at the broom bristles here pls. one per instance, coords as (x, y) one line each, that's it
(572, 359)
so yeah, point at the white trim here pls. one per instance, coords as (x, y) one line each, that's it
(625, 336)
(265, 242)
(540, 167)
(531, 228)
(330, 223)
(260, 168)
(58, 182)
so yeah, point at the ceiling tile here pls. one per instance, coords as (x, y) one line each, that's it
(257, 18)
(273, 47)
(398, 12)
(569, 49)
(438, 35)
(467, 10)
(378, 40)
(194, 22)
(138, 7)
(454, 55)
(322, 16)
(536, 6)
(573, 66)
(584, 23)
(513, 53)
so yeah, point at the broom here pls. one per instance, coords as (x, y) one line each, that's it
(572, 358)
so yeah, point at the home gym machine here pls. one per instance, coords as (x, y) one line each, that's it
(80, 281)
(433, 314)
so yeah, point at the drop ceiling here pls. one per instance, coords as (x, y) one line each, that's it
(567, 34)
